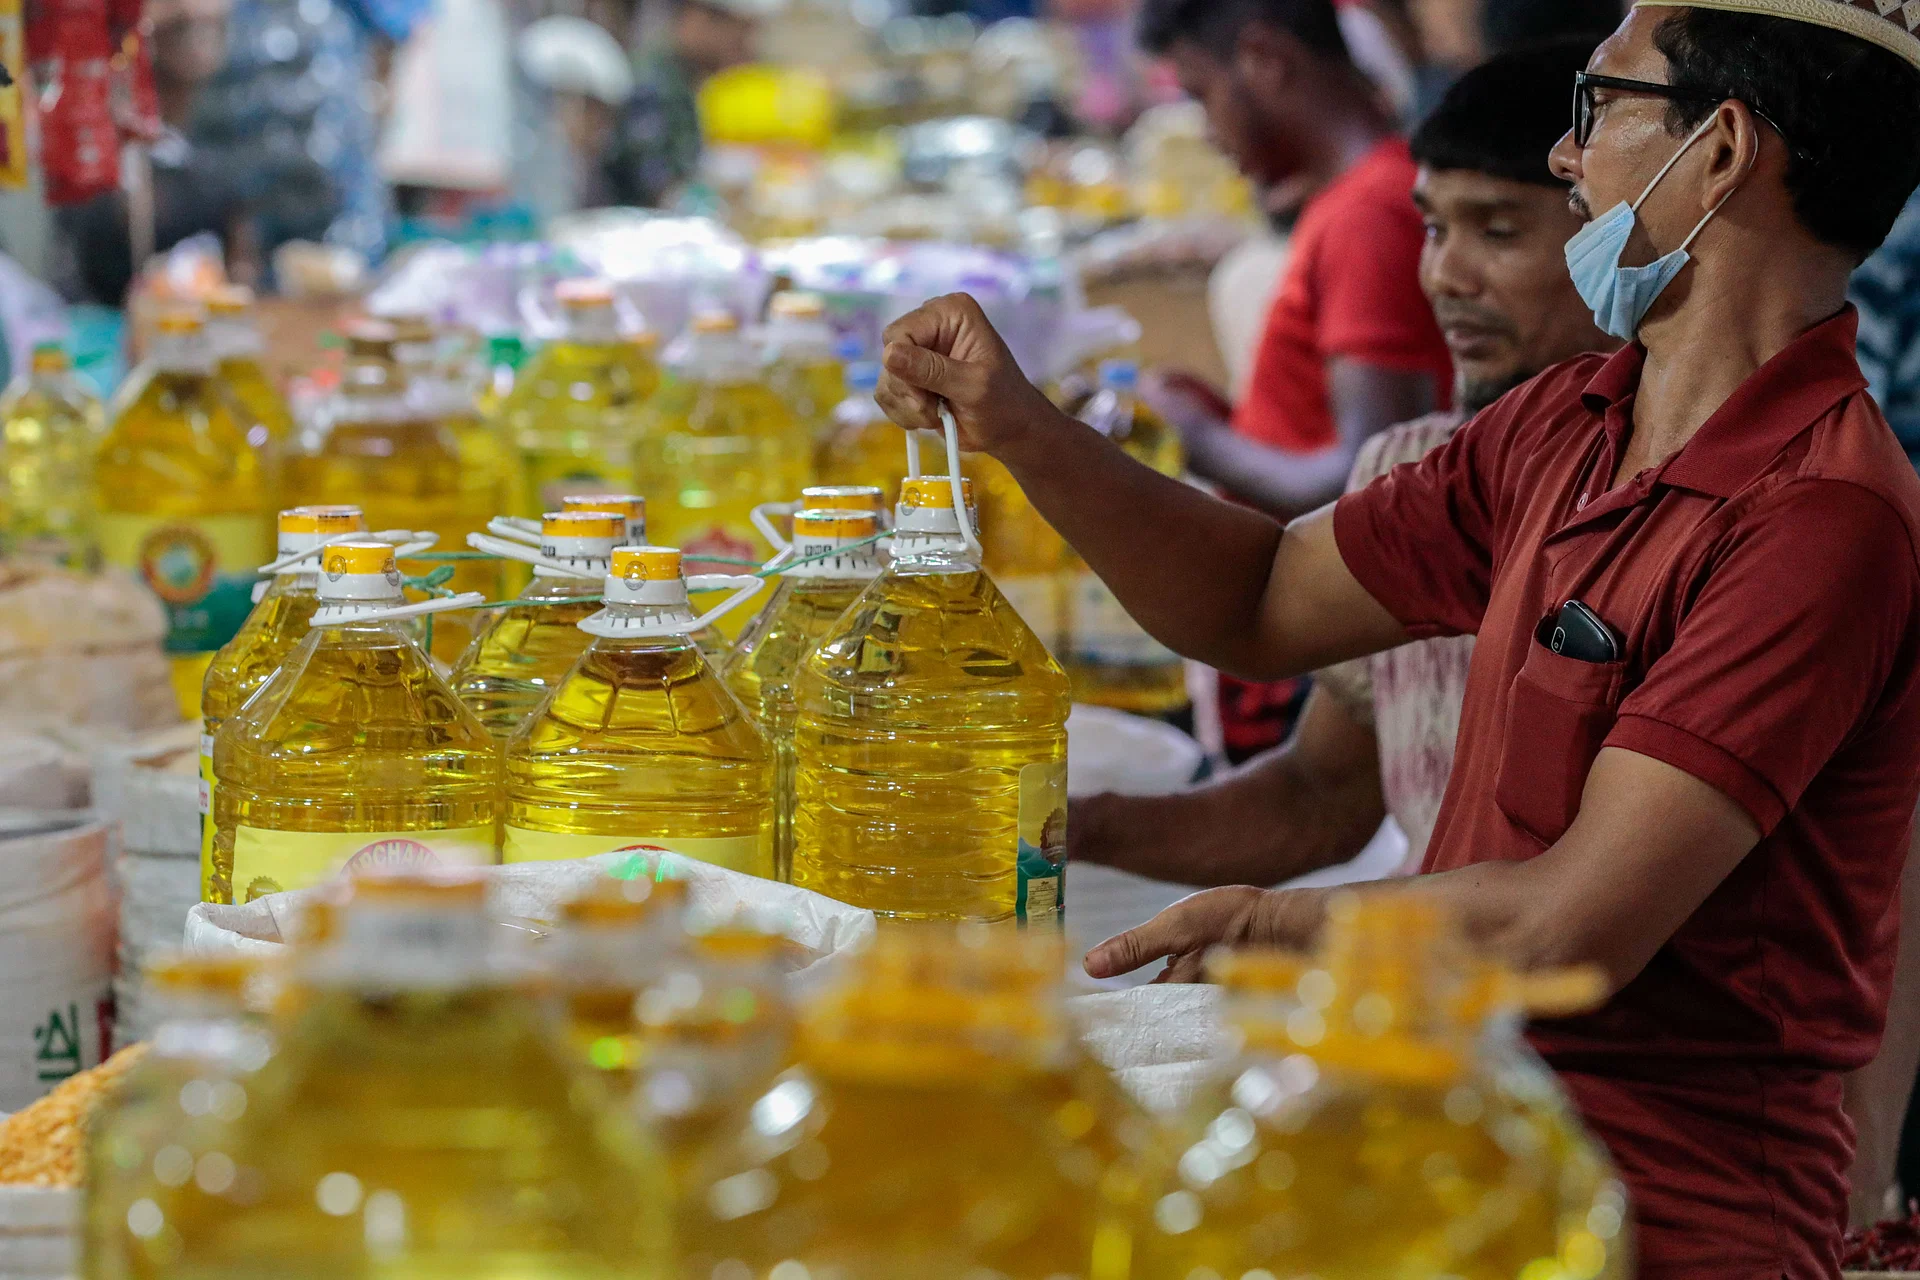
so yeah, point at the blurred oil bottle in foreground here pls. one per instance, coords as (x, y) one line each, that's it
(716, 443)
(420, 1119)
(931, 742)
(355, 753)
(811, 597)
(802, 367)
(614, 940)
(1366, 1129)
(922, 1134)
(524, 652)
(642, 745)
(574, 408)
(182, 500)
(1110, 658)
(160, 1151)
(50, 425)
(278, 623)
(376, 446)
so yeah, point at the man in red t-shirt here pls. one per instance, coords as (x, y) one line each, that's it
(1350, 346)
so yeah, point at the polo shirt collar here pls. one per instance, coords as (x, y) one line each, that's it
(1784, 397)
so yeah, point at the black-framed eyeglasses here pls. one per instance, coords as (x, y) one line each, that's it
(1585, 111)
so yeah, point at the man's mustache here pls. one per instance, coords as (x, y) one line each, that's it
(1578, 203)
(1467, 315)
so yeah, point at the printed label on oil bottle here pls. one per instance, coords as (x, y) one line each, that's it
(1104, 634)
(269, 861)
(206, 815)
(202, 568)
(1041, 897)
(752, 854)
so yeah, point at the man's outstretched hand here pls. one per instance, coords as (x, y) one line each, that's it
(1184, 933)
(948, 350)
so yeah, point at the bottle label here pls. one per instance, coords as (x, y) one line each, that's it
(1037, 600)
(269, 861)
(1041, 897)
(1104, 634)
(752, 854)
(206, 814)
(202, 568)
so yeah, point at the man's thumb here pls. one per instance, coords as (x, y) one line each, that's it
(920, 367)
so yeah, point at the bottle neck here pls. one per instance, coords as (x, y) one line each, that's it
(180, 353)
(593, 326)
(230, 339)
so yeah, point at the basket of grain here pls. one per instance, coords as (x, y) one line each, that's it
(42, 1164)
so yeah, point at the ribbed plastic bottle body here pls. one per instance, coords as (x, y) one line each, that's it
(523, 653)
(642, 745)
(355, 754)
(930, 750)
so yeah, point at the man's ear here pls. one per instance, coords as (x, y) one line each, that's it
(1735, 143)
(1265, 59)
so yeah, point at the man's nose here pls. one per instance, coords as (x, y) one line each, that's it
(1565, 159)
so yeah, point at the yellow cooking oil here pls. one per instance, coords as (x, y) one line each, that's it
(278, 623)
(233, 332)
(1025, 556)
(920, 1134)
(173, 1114)
(50, 424)
(716, 443)
(615, 940)
(1364, 1129)
(930, 740)
(526, 649)
(862, 445)
(642, 746)
(1110, 658)
(420, 1119)
(355, 753)
(833, 568)
(574, 408)
(181, 498)
(441, 376)
(803, 366)
(374, 445)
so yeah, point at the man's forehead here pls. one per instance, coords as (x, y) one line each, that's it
(1477, 189)
(1629, 52)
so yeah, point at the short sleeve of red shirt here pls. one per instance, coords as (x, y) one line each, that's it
(1729, 703)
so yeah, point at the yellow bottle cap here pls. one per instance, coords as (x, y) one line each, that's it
(793, 304)
(220, 975)
(179, 320)
(583, 524)
(357, 557)
(50, 357)
(630, 506)
(230, 300)
(446, 886)
(933, 491)
(844, 497)
(584, 293)
(835, 524)
(715, 322)
(646, 564)
(611, 902)
(322, 520)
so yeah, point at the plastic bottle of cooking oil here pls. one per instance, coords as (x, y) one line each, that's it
(50, 424)
(930, 743)
(1110, 658)
(1364, 1130)
(181, 498)
(802, 367)
(643, 746)
(574, 408)
(1025, 556)
(160, 1152)
(420, 1119)
(235, 340)
(716, 443)
(863, 447)
(614, 941)
(921, 1134)
(355, 753)
(834, 570)
(278, 623)
(500, 369)
(523, 653)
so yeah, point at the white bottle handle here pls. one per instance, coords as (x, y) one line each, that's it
(407, 542)
(518, 528)
(331, 614)
(530, 555)
(744, 588)
(957, 488)
(763, 521)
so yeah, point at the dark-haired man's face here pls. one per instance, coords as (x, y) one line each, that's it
(1494, 269)
(1237, 94)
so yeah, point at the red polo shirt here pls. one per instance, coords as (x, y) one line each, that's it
(1767, 582)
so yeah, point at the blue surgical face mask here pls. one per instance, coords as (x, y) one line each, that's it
(1622, 296)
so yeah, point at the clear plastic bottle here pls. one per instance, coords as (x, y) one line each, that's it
(1110, 658)
(278, 623)
(234, 338)
(524, 651)
(574, 409)
(921, 1134)
(182, 498)
(802, 365)
(716, 443)
(863, 446)
(420, 1119)
(931, 743)
(614, 941)
(50, 424)
(378, 446)
(643, 746)
(355, 754)
(1369, 1128)
(160, 1151)
(811, 597)
(1025, 556)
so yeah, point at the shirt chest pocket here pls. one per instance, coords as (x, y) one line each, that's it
(1559, 712)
